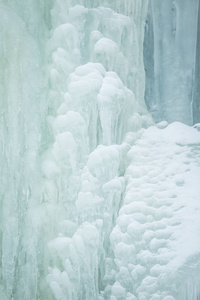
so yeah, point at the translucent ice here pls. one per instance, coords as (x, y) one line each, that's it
(97, 201)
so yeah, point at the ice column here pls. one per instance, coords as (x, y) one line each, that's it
(171, 38)
(96, 104)
(23, 131)
(196, 88)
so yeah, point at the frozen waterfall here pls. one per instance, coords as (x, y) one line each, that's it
(99, 150)
(172, 60)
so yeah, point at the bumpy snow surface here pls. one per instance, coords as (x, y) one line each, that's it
(97, 201)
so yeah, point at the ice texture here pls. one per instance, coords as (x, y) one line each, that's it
(98, 201)
(171, 56)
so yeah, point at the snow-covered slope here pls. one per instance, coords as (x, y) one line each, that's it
(157, 230)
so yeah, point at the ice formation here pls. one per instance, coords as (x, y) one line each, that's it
(172, 59)
(99, 177)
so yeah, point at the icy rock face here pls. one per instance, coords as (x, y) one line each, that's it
(96, 204)
(171, 56)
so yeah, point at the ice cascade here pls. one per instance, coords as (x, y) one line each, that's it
(96, 200)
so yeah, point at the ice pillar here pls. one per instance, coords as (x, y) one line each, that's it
(172, 26)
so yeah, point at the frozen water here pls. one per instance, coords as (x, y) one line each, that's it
(97, 201)
(171, 56)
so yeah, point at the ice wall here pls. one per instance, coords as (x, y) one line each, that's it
(172, 70)
(196, 88)
(24, 136)
(92, 204)
(56, 108)
(99, 103)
